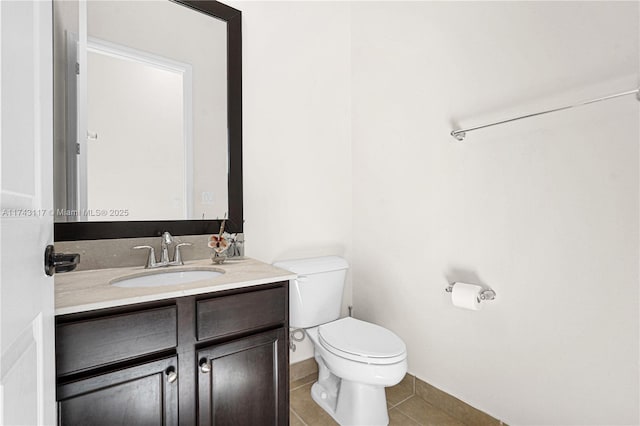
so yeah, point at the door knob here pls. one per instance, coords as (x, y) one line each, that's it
(59, 262)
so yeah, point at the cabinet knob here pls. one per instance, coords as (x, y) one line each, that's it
(205, 367)
(172, 376)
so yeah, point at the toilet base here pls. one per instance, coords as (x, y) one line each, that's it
(342, 392)
(355, 404)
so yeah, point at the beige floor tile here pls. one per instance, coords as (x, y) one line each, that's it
(425, 413)
(453, 406)
(403, 390)
(303, 381)
(307, 409)
(294, 420)
(397, 418)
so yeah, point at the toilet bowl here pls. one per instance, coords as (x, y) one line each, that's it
(354, 368)
(360, 351)
(356, 359)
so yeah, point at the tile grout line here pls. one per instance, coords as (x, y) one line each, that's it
(298, 416)
(409, 416)
(301, 385)
(404, 400)
(413, 393)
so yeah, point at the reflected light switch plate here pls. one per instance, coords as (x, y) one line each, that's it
(207, 197)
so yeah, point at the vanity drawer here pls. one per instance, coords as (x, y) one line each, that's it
(85, 344)
(225, 315)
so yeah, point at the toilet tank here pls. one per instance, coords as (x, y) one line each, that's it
(315, 297)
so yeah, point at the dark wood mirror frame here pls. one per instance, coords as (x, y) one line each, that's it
(73, 231)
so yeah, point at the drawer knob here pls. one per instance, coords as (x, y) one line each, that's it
(205, 367)
(172, 376)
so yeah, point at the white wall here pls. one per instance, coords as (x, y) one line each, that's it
(348, 109)
(545, 211)
(297, 151)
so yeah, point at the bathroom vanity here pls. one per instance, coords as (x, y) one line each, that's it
(215, 354)
(202, 352)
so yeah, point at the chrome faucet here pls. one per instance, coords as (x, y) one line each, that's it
(166, 241)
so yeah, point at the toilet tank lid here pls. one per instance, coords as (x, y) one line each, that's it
(313, 265)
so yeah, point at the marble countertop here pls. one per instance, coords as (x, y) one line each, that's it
(89, 290)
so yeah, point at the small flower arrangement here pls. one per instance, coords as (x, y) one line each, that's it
(219, 244)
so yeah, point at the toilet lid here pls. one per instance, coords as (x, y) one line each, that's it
(362, 341)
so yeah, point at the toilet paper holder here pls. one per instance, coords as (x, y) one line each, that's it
(485, 294)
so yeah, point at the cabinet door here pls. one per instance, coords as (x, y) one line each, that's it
(145, 394)
(244, 382)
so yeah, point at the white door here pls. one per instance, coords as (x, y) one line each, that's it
(27, 366)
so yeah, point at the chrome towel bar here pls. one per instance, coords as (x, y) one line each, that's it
(461, 133)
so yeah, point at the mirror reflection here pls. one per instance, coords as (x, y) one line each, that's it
(146, 134)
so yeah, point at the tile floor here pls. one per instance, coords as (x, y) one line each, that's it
(405, 408)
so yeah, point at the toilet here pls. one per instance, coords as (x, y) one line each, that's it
(356, 359)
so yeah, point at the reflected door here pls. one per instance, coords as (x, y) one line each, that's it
(138, 149)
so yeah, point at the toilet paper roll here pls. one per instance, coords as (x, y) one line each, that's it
(466, 296)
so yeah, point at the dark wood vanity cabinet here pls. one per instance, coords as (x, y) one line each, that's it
(144, 394)
(237, 383)
(217, 358)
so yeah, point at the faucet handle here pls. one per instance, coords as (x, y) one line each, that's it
(151, 259)
(177, 257)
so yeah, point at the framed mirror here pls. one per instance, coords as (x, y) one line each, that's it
(148, 118)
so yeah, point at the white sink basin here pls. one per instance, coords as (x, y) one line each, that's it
(160, 279)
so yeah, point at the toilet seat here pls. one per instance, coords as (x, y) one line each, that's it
(362, 341)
